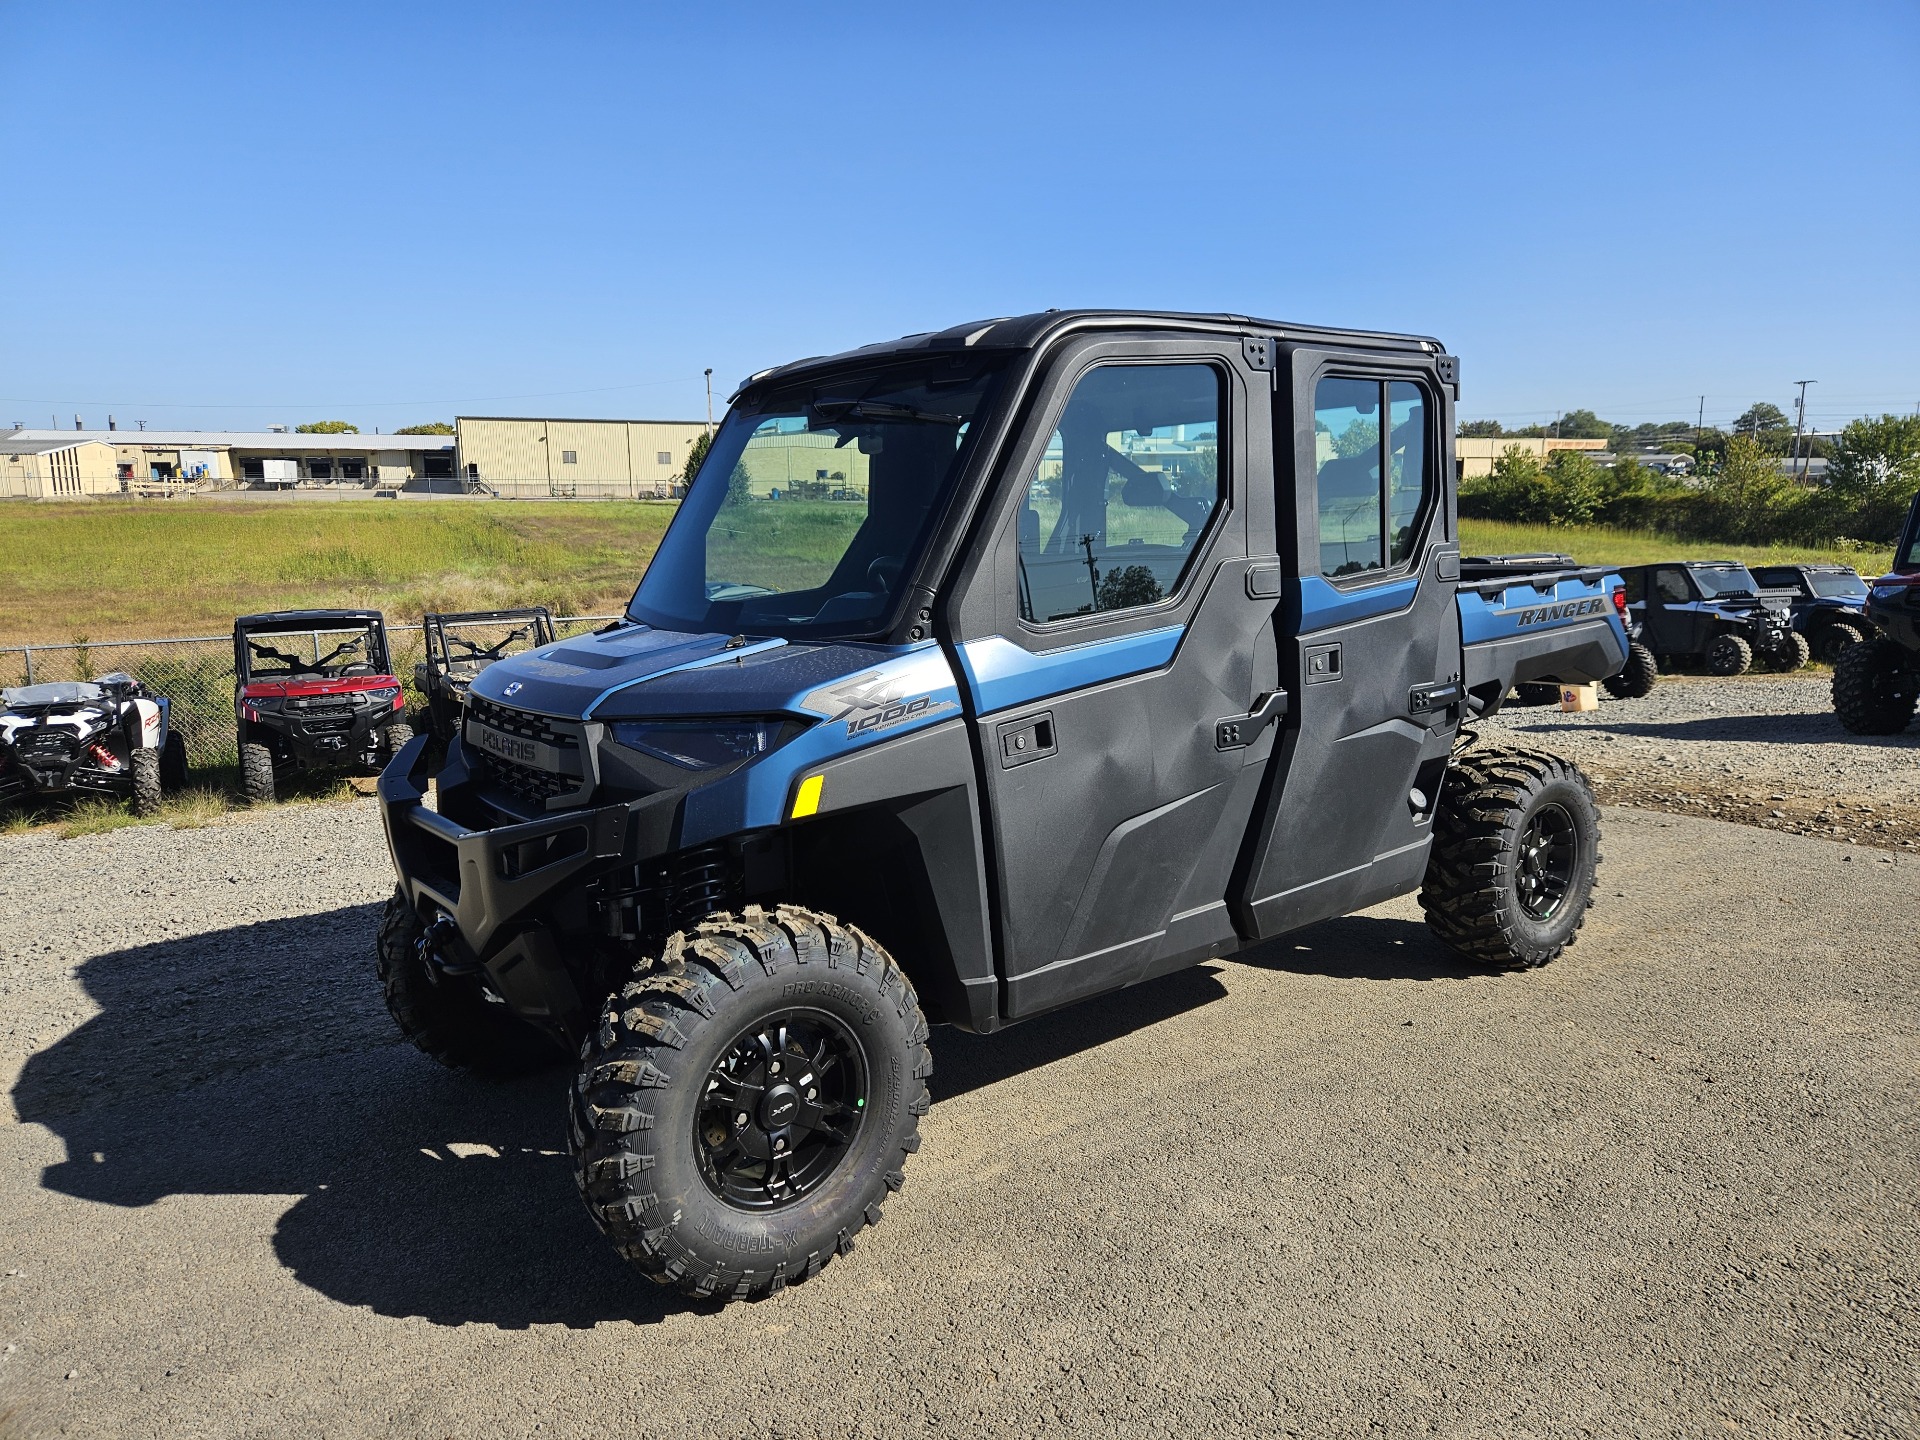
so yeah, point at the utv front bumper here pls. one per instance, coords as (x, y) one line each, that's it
(492, 883)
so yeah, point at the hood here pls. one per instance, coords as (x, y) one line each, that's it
(266, 689)
(638, 672)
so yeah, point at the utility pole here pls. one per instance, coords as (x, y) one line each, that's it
(709, 402)
(1800, 424)
(1700, 420)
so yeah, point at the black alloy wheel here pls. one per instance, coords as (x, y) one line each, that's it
(781, 1108)
(1549, 858)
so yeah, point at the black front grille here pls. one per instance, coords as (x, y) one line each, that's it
(523, 723)
(43, 745)
(528, 784)
(523, 782)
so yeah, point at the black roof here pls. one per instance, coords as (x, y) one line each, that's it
(1025, 332)
(306, 619)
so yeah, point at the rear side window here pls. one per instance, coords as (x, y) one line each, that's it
(1634, 586)
(1117, 506)
(1671, 585)
(1373, 478)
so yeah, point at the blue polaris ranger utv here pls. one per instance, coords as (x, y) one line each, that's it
(979, 672)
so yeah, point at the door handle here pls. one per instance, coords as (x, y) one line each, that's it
(1435, 696)
(1239, 731)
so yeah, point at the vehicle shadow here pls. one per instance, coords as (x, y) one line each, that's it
(259, 1060)
(1360, 947)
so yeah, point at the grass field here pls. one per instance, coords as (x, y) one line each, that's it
(128, 571)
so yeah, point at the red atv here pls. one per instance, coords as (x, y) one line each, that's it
(315, 689)
(1876, 683)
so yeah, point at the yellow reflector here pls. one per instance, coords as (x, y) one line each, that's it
(807, 800)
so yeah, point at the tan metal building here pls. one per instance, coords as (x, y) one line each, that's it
(519, 455)
(55, 469)
(1475, 455)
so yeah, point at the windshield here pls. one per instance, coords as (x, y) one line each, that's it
(814, 504)
(330, 652)
(1838, 585)
(1719, 580)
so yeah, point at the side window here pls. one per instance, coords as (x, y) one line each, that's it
(1633, 582)
(1671, 586)
(1373, 479)
(1117, 506)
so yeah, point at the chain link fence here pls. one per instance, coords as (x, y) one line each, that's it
(196, 673)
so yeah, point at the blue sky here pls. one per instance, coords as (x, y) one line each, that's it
(230, 215)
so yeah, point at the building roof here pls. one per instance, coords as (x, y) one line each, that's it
(233, 440)
(27, 442)
(563, 420)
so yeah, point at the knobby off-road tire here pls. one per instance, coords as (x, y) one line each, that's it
(1875, 686)
(697, 1065)
(1792, 654)
(147, 790)
(450, 1018)
(1836, 637)
(1637, 677)
(1729, 655)
(1516, 846)
(256, 772)
(173, 762)
(393, 739)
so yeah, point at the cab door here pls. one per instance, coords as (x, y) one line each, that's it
(1113, 628)
(1369, 640)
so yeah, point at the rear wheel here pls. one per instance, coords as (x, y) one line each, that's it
(1790, 654)
(1637, 677)
(173, 762)
(1729, 655)
(1835, 638)
(256, 772)
(749, 1101)
(1516, 845)
(449, 1016)
(1875, 686)
(147, 790)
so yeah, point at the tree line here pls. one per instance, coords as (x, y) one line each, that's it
(1740, 494)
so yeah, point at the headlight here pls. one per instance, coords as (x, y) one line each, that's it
(383, 697)
(698, 744)
(265, 702)
(1887, 593)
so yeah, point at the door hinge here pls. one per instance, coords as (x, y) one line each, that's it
(1257, 351)
(1239, 731)
(1423, 699)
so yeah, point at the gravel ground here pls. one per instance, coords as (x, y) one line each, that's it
(1331, 1186)
(1761, 750)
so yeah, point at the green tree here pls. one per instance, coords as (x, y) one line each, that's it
(1358, 438)
(1480, 430)
(1128, 586)
(1516, 490)
(1760, 418)
(1874, 473)
(437, 427)
(702, 443)
(739, 485)
(1581, 425)
(326, 427)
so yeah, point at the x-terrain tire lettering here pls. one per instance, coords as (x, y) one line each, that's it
(749, 1100)
(1516, 845)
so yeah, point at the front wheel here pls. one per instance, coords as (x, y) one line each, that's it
(1729, 655)
(256, 772)
(394, 739)
(1790, 653)
(147, 790)
(1875, 687)
(1637, 677)
(1516, 846)
(749, 1100)
(1837, 637)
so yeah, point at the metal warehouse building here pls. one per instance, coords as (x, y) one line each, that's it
(509, 455)
(56, 467)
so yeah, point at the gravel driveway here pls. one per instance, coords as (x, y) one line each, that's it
(1762, 750)
(1332, 1186)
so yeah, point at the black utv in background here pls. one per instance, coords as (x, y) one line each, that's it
(1876, 684)
(1828, 604)
(109, 736)
(313, 689)
(1711, 613)
(459, 646)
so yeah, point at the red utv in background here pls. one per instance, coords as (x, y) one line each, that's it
(314, 689)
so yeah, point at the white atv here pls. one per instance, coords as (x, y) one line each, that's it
(99, 737)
